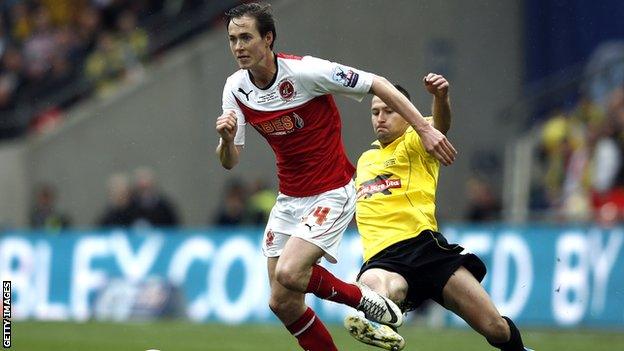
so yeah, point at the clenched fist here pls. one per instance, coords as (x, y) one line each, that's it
(226, 125)
(436, 84)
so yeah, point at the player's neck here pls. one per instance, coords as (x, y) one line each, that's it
(385, 143)
(264, 72)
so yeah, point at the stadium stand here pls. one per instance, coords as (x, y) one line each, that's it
(57, 52)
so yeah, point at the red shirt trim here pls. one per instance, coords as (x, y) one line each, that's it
(288, 56)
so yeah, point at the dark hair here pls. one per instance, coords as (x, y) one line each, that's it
(260, 12)
(403, 91)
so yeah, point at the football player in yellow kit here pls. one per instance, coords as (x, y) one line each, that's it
(405, 257)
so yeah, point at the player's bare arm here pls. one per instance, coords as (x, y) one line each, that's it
(434, 141)
(227, 151)
(438, 86)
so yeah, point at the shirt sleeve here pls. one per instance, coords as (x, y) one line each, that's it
(320, 77)
(229, 103)
(414, 142)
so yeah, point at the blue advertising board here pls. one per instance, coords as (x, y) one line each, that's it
(538, 275)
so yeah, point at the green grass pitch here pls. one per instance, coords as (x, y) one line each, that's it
(184, 336)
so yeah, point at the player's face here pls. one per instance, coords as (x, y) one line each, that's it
(246, 43)
(387, 124)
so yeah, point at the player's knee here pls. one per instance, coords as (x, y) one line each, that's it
(394, 289)
(397, 292)
(372, 281)
(280, 304)
(497, 330)
(289, 277)
(281, 309)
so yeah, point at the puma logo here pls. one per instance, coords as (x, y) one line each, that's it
(333, 293)
(240, 90)
(309, 226)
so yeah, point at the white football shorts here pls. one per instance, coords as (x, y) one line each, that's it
(320, 219)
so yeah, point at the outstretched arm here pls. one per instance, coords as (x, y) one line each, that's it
(438, 86)
(228, 152)
(434, 141)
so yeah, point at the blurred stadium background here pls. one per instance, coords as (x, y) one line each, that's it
(119, 230)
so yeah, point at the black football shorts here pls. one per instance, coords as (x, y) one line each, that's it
(426, 262)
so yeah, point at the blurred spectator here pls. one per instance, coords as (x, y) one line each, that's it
(554, 141)
(608, 166)
(483, 205)
(152, 207)
(62, 12)
(583, 152)
(106, 64)
(20, 21)
(44, 214)
(69, 46)
(11, 85)
(575, 196)
(607, 158)
(260, 203)
(89, 24)
(61, 71)
(588, 113)
(39, 48)
(134, 38)
(13, 65)
(59, 50)
(119, 211)
(232, 212)
(564, 150)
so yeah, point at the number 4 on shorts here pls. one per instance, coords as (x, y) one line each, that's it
(321, 214)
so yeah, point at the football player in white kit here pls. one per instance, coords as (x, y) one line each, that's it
(288, 100)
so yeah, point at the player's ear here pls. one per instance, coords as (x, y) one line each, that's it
(268, 38)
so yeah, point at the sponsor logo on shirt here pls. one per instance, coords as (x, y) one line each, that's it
(380, 184)
(298, 121)
(390, 162)
(348, 78)
(281, 125)
(286, 89)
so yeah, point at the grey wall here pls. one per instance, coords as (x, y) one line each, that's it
(13, 185)
(167, 121)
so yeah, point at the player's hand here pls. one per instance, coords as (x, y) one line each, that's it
(438, 145)
(436, 84)
(226, 125)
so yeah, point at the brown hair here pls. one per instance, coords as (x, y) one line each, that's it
(260, 12)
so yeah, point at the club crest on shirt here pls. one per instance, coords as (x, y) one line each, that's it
(380, 184)
(286, 89)
(346, 77)
(269, 238)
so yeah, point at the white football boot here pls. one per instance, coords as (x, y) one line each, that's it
(379, 308)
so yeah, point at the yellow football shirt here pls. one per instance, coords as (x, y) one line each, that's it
(396, 188)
